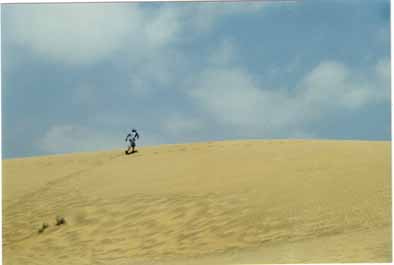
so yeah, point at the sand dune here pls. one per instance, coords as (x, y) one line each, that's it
(204, 203)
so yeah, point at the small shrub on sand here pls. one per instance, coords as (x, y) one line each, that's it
(43, 227)
(60, 220)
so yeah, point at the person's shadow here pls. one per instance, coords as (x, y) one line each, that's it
(129, 153)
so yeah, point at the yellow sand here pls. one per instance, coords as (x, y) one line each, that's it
(226, 202)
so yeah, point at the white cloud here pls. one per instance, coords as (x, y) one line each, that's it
(234, 98)
(383, 72)
(72, 33)
(179, 125)
(149, 75)
(202, 16)
(162, 28)
(229, 94)
(70, 138)
(332, 84)
(86, 33)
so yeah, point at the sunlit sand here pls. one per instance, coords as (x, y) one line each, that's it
(228, 202)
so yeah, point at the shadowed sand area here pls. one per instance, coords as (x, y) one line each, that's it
(225, 202)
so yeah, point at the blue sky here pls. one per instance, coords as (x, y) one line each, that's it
(77, 77)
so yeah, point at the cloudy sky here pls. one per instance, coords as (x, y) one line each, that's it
(77, 77)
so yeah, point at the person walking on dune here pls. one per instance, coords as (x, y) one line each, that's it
(132, 137)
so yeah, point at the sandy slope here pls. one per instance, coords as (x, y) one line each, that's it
(205, 203)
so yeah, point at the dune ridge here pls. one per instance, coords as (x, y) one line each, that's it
(203, 203)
